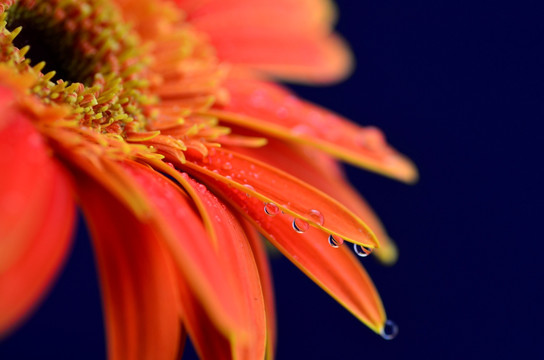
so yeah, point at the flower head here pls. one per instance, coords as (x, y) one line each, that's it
(159, 119)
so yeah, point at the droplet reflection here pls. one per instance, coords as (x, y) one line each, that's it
(271, 209)
(390, 330)
(316, 216)
(362, 251)
(335, 241)
(300, 225)
(250, 188)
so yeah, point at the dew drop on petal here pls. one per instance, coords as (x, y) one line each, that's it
(316, 216)
(271, 209)
(335, 241)
(390, 330)
(302, 129)
(371, 138)
(227, 166)
(300, 225)
(250, 188)
(362, 251)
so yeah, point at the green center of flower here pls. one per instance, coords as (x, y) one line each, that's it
(82, 54)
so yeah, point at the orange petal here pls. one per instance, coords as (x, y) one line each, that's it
(238, 263)
(136, 273)
(274, 111)
(286, 38)
(263, 265)
(36, 218)
(181, 229)
(289, 194)
(170, 215)
(337, 271)
(321, 171)
(310, 15)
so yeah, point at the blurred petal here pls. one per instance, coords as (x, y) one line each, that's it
(195, 254)
(36, 217)
(269, 109)
(210, 343)
(287, 193)
(267, 285)
(238, 263)
(138, 285)
(286, 38)
(172, 220)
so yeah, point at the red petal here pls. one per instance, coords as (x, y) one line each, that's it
(285, 191)
(274, 111)
(288, 38)
(238, 263)
(337, 271)
(36, 217)
(138, 284)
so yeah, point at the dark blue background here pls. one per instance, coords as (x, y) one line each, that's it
(457, 86)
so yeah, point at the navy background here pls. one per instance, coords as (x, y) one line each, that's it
(457, 86)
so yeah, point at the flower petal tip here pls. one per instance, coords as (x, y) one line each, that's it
(407, 170)
(388, 253)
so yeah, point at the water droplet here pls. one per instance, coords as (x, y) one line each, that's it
(250, 188)
(316, 216)
(271, 209)
(335, 241)
(300, 225)
(390, 330)
(371, 138)
(227, 166)
(362, 251)
(302, 129)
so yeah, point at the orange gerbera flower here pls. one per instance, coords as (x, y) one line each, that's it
(159, 120)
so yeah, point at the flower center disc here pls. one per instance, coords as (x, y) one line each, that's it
(88, 51)
(62, 51)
